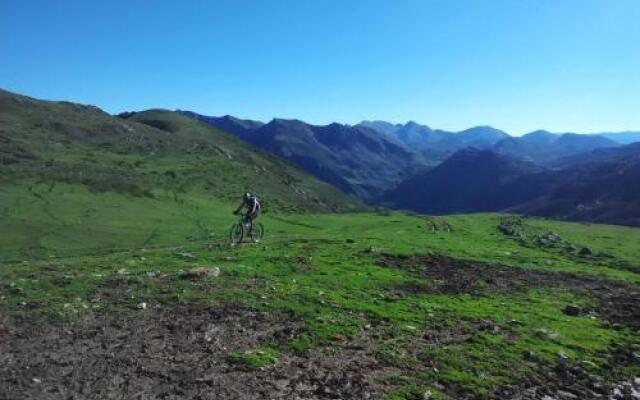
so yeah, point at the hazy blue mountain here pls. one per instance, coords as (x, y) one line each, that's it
(480, 137)
(471, 180)
(236, 126)
(540, 146)
(604, 188)
(543, 147)
(606, 191)
(598, 156)
(622, 137)
(356, 159)
(435, 144)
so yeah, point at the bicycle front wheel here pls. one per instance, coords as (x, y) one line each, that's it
(236, 234)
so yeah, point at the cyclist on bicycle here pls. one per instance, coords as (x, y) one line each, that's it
(252, 203)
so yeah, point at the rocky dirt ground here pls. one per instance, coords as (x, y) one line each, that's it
(184, 351)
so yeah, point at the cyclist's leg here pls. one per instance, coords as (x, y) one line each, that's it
(251, 217)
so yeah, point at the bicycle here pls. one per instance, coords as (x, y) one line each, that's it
(242, 229)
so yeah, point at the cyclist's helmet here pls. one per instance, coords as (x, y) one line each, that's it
(247, 196)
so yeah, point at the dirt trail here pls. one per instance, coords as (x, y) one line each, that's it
(174, 354)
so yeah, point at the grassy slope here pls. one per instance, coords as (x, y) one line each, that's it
(316, 268)
(54, 142)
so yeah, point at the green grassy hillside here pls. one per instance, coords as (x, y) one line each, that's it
(472, 312)
(47, 143)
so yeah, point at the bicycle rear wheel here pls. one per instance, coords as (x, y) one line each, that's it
(257, 232)
(237, 234)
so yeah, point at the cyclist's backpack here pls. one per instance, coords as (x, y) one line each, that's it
(254, 202)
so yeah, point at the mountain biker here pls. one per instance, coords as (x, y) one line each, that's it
(252, 203)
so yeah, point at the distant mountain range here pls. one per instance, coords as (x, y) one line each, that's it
(356, 159)
(622, 137)
(412, 166)
(435, 144)
(602, 188)
(540, 146)
(408, 166)
(471, 180)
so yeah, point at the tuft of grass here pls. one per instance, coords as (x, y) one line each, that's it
(255, 359)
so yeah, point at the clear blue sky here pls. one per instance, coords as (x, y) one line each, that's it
(518, 65)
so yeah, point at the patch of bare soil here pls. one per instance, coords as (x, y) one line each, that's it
(619, 302)
(175, 354)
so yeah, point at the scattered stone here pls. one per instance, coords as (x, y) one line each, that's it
(562, 358)
(142, 306)
(373, 250)
(488, 325)
(122, 272)
(339, 338)
(152, 274)
(572, 310)
(585, 252)
(202, 272)
(550, 239)
(187, 256)
(529, 355)
(512, 227)
(36, 380)
(547, 334)
(230, 259)
(566, 395)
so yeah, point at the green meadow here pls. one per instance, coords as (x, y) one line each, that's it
(68, 252)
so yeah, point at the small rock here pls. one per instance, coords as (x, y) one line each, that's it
(546, 334)
(566, 395)
(531, 356)
(339, 338)
(36, 380)
(187, 256)
(202, 272)
(585, 251)
(427, 395)
(373, 250)
(142, 306)
(572, 310)
(562, 358)
(152, 274)
(122, 272)
(230, 258)
(488, 325)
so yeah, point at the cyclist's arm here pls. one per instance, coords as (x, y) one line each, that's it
(239, 208)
